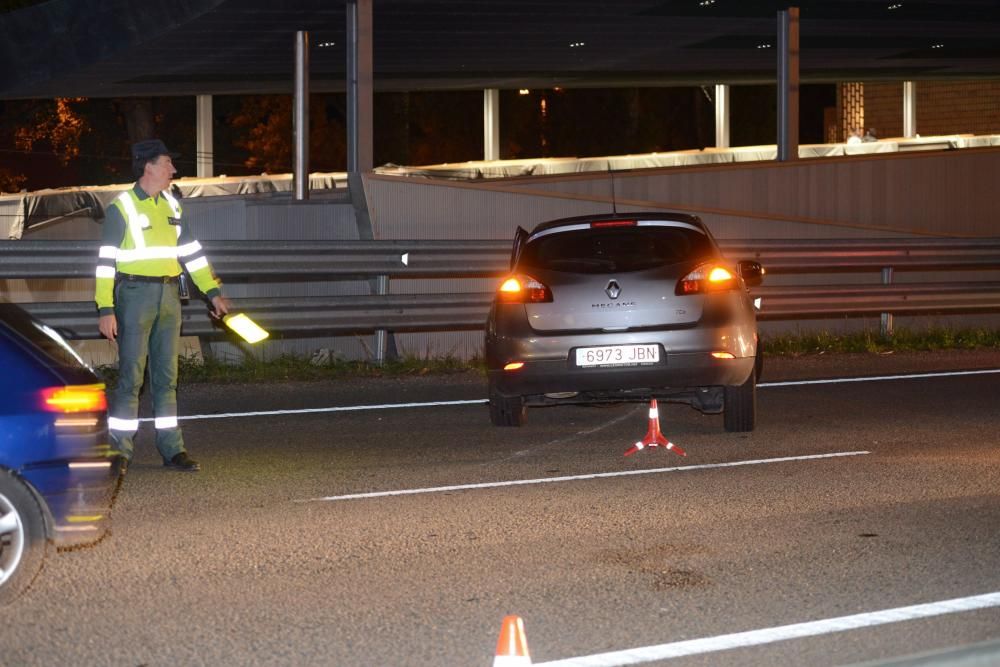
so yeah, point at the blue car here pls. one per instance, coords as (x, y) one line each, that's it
(58, 473)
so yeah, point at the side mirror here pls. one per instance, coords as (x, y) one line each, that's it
(751, 272)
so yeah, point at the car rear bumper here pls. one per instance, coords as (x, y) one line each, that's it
(680, 372)
(78, 495)
(686, 360)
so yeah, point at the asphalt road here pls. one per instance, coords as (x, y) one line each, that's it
(259, 560)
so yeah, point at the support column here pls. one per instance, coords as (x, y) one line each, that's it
(909, 109)
(721, 115)
(360, 155)
(203, 143)
(359, 86)
(491, 124)
(788, 84)
(359, 109)
(300, 117)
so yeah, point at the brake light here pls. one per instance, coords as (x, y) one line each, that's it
(707, 278)
(74, 398)
(613, 223)
(523, 289)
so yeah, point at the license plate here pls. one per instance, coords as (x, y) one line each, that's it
(617, 355)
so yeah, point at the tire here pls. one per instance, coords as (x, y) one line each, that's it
(507, 410)
(23, 544)
(740, 405)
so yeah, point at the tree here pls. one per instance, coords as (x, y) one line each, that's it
(58, 124)
(11, 182)
(267, 121)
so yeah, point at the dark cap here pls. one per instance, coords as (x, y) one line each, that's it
(150, 149)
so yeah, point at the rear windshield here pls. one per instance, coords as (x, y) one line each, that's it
(615, 249)
(40, 335)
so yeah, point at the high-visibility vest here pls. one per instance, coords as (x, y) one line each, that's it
(155, 243)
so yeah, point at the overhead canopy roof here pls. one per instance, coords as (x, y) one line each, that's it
(97, 48)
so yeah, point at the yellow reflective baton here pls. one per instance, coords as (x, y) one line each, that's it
(247, 329)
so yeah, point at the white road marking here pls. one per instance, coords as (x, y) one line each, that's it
(880, 378)
(337, 408)
(478, 401)
(572, 478)
(643, 654)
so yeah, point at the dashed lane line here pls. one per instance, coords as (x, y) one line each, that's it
(643, 654)
(880, 378)
(574, 478)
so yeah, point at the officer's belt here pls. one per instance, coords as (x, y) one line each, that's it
(131, 277)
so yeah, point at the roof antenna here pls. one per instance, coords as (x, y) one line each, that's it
(611, 173)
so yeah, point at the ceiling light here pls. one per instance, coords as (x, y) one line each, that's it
(895, 5)
(324, 45)
(706, 3)
(524, 91)
(763, 45)
(574, 45)
(937, 46)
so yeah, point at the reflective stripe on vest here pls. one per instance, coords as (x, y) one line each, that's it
(136, 221)
(174, 206)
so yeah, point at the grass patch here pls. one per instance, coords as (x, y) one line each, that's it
(292, 368)
(903, 340)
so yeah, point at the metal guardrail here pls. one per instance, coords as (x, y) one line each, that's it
(833, 255)
(269, 261)
(303, 316)
(281, 261)
(284, 261)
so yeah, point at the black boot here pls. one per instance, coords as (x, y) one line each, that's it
(183, 462)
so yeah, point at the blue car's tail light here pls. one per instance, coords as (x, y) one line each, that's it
(74, 398)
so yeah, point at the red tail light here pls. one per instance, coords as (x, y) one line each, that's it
(74, 398)
(523, 289)
(707, 278)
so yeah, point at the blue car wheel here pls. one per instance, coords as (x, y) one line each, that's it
(23, 544)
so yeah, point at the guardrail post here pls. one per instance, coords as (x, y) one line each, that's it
(381, 335)
(885, 326)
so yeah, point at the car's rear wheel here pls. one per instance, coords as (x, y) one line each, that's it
(740, 405)
(23, 544)
(507, 410)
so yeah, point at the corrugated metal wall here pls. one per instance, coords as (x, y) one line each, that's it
(271, 217)
(872, 196)
(280, 218)
(877, 196)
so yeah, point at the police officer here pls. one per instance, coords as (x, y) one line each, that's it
(143, 244)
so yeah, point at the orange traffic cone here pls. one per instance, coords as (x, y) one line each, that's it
(653, 437)
(512, 647)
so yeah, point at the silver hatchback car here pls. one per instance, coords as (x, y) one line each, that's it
(623, 307)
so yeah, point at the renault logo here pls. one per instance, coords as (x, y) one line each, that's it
(613, 289)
